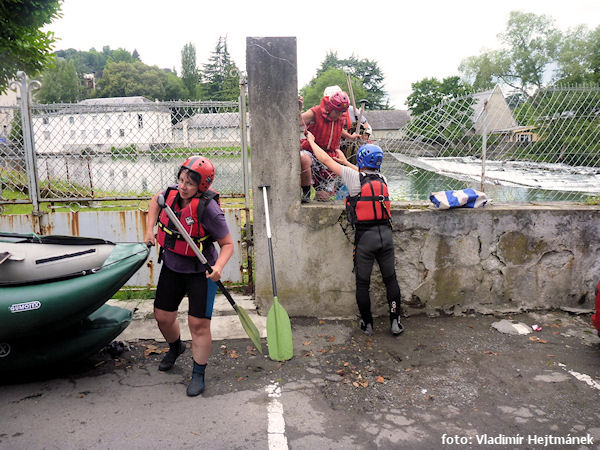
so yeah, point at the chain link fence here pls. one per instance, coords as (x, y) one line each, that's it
(116, 148)
(540, 148)
(515, 148)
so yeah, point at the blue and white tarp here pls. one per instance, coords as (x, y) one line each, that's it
(465, 198)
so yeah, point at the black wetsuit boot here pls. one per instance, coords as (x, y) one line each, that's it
(175, 349)
(196, 386)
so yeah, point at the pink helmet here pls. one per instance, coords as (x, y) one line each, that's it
(339, 101)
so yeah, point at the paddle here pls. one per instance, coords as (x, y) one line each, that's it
(247, 323)
(279, 329)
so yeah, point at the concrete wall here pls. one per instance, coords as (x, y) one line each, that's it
(500, 258)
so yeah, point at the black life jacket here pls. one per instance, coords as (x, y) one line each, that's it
(190, 217)
(372, 205)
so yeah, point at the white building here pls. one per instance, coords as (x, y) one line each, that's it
(210, 130)
(490, 109)
(101, 124)
(8, 105)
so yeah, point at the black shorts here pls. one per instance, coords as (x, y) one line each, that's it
(173, 286)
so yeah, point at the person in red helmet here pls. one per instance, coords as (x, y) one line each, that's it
(198, 210)
(326, 122)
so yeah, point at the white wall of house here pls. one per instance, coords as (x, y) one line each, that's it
(8, 101)
(73, 131)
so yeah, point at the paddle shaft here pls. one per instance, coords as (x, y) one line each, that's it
(193, 246)
(268, 222)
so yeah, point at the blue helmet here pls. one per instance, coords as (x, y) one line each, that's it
(369, 155)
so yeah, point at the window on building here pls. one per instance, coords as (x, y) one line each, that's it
(140, 121)
(108, 132)
(47, 135)
(71, 120)
(122, 132)
(73, 133)
(45, 121)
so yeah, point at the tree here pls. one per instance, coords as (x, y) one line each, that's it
(531, 44)
(442, 109)
(313, 91)
(479, 70)
(365, 70)
(120, 55)
(23, 46)
(566, 120)
(220, 76)
(60, 84)
(579, 56)
(174, 89)
(189, 70)
(430, 92)
(122, 79)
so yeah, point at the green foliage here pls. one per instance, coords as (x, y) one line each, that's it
(94, 62)
(430, 92)
(22, 45)
(313, 91)
(531, 45)
(16, 128)
(566, 121)
(86, 62)
(443, 112)
(189, 70)
(220, 76)
(579, 57)
(120, 55)
(480, 70)
(175, 88)
(122, 79)
(364, 70)
(60, 84)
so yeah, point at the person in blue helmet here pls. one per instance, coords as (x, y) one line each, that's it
(368, 210)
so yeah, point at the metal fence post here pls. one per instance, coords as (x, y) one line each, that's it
(246, 176)
(484, 146)
(244, 140)
(30, 161)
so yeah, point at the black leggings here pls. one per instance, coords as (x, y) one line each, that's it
(375, 243)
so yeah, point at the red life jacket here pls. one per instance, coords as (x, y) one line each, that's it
(372, 205)
(327, 132)
(190, 217)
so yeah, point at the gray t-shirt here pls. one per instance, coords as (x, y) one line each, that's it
(351, 179)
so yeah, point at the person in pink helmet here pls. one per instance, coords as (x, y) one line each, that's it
(326, 122)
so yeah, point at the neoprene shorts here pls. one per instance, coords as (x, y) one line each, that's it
(173, 286)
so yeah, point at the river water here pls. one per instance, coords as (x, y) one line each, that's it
(506, 181)
(409, 178)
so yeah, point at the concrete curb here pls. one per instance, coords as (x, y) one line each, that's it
(225, 323)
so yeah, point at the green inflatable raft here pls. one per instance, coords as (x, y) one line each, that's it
(77, 276)
(66, 347)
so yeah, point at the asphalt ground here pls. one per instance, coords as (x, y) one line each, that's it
(446, 382)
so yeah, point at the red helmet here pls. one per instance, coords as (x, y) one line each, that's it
(203, 167)
(339, 101)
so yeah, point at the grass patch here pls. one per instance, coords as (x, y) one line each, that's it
(132, 293)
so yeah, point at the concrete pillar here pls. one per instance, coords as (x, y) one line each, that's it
(274, 133)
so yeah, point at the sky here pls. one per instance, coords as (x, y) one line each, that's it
(409, 40)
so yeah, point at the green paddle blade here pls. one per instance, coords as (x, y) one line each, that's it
(279, 333)
(249, 327)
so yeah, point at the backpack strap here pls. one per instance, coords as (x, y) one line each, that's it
(205, 198)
